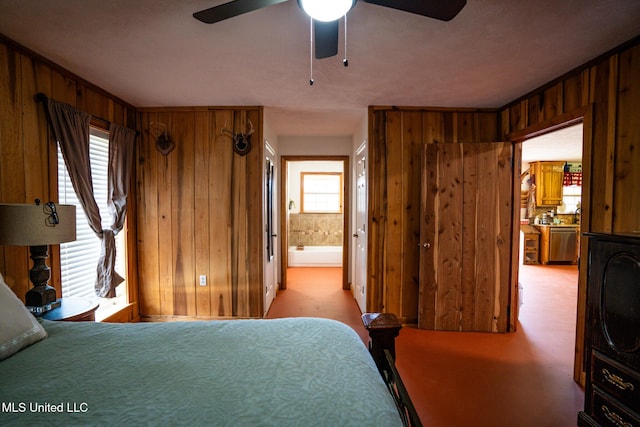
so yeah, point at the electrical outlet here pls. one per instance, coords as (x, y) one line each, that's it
(203, 280)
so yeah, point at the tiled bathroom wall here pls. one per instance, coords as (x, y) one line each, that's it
(320, 229)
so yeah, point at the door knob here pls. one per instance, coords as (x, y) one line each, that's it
(425, 245)
(355, 234)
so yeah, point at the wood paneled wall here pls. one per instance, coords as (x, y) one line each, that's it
(28, 162)
(609, 88)
(200, 214)
(396, 138)
(605, 94)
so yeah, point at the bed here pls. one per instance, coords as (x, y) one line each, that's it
(280, 372)
(277, 372)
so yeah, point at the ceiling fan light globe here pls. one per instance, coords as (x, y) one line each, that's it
(326, 10)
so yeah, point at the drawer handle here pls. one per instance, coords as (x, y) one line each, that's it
(617, 381)
(614, 418)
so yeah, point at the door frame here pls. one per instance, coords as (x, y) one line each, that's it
(346, 214)
(584, 115)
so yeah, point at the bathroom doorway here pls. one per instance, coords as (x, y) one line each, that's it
(315, 205)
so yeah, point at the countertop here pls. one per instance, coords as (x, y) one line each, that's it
(559, 225)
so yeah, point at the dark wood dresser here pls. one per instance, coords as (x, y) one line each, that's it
(612, 393)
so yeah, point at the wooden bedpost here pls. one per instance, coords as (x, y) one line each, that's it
(383, 329)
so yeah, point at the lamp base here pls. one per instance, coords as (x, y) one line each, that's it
(40, 295)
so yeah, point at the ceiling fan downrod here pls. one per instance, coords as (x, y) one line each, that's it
(345, 61)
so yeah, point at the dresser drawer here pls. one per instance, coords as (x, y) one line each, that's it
(610, 413)
(616, 380)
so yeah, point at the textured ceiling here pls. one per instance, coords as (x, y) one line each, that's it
(154, 53)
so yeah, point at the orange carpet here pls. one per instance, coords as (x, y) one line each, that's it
(472, 379)
(317, 292)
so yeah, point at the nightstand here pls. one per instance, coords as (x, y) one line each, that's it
(73, 310)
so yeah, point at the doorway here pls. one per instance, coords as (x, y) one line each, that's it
(563, 145)
(315, 205)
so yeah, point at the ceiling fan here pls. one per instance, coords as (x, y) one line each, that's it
(325, 23)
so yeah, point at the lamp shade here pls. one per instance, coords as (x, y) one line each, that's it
(37, 225)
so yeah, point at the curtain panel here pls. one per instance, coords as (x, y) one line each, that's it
(71, 130)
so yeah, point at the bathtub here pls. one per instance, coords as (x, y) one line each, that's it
(315, 256)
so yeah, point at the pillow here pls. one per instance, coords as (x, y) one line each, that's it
(18, 327)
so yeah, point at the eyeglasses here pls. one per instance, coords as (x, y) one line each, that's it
(50, 209)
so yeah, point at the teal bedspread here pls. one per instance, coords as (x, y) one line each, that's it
(281, 372)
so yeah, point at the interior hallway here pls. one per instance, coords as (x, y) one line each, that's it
(472, 379)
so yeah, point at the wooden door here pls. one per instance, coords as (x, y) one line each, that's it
(360, 253)
(465, 232)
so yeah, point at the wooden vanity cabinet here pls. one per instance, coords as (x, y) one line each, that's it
(548, 178)
(612, 336)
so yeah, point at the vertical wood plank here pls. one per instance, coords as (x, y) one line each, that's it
(473, 275)
(505, 124)
(239, 228)
(63, 88)
(202, 214)
(164, 166)
(506, 214)
(12, 154)
(552, 102)
(93, 103)
(600, 86)
(411, 158)
(148, 233)
(535, 110)
(433, 127)
(467, 125)
(256, 227)
(12, 163)
(487, 129)
(433, 132)
(394, 248)
(35, 79)
(610, 166)
(377, 202)
(626, 177)
(428, 223)
(182, 213)
(220, 158)
(449, 229)
(518, 119)
(514, 239)
(489, 213)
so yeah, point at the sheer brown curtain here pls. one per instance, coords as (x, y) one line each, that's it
(71, 129)
(121, 151)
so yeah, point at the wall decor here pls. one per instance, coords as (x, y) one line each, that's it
(241, 141)
(164, 143)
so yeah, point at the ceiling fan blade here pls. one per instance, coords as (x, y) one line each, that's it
(443, 10)
(231, 9)
(326, 38)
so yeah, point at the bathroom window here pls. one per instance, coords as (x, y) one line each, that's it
(321, 192)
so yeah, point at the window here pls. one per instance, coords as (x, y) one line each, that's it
(321, 192)
(79, 258)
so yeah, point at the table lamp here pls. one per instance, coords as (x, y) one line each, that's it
(38, 226)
